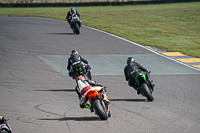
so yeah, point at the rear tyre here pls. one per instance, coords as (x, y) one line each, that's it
(99, 110)
(147, 93)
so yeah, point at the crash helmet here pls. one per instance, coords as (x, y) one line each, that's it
(72, 10)
(130, 59)
(73, 52)
(1, 119)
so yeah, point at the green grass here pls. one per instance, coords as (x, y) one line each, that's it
(174, 27)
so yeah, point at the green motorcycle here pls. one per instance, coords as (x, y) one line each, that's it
(144, 85)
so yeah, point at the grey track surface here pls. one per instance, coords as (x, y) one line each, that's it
(38, 96)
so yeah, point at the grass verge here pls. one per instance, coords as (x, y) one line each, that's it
(174, 27)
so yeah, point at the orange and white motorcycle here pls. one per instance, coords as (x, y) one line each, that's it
(96, 95)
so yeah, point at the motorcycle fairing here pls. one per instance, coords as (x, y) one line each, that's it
(140, 78)
(75, 18)
(91, 93)
(6, 127)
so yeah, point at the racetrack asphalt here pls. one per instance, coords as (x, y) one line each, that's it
(37, 95)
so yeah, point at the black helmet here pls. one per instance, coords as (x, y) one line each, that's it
(72, 10)
(130, 59)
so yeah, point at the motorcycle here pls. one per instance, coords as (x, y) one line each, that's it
(5, 128)
(76, 23)
(144, 85)
(95, 96)
(80, 69)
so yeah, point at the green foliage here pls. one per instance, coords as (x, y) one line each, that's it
(174, 27)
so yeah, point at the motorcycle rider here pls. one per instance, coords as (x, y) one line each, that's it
(131, 70)
(69, 15)
(4, 127)
(90, 84)
(76, 60)
(2, 120)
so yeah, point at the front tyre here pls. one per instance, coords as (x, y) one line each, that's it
(147, 93)
(4, 131)
(99, 109)
(76, 28)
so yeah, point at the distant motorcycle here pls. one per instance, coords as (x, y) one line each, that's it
(145, 86)
(95, 96)
(76, 24)
(5, 128)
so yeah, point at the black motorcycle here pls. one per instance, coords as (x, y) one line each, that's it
(80, 69)
(76, 23)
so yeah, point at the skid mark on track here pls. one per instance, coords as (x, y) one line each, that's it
(130, 111)
(26, 120)
(37, 107)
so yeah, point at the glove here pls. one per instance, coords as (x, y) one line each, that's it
(99, 84)
(149, 71)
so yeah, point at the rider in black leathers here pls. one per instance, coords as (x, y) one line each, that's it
(70, 13)
(2, 120)
(131, 70)
(76, 60)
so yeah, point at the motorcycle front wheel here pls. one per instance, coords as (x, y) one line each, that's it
(4, 131)
(147, 93)
(76, 28)
(99, 109)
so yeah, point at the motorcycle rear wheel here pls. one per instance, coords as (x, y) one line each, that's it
(147, 93)
(99, 109)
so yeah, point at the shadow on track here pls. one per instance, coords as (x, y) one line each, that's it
(129, 100)
(57, 90)
(62, 33)
(72, 118)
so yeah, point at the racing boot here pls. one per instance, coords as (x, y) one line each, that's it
(136, 88)
(83, 104)
(89, 107)
(138, 91)
(86, 105)
(105, 98)
(152, 86)
(150, 81)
